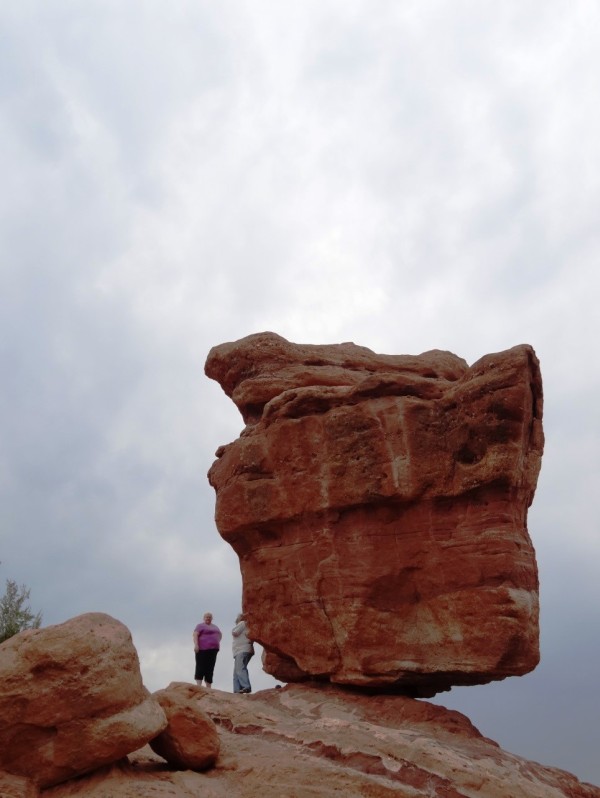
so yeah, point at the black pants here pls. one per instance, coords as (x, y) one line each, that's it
(205, 664)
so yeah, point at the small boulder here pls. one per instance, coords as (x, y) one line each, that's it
(190, 740)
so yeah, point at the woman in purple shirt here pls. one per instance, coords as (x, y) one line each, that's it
(207, 639)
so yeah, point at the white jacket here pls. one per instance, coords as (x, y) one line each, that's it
(241, 642)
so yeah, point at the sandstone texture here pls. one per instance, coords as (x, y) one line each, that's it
(190, 740)
(17, 786)
(378, 505)
(72, 699)
(310, 741)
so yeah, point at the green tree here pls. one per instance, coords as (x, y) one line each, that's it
(15, 612)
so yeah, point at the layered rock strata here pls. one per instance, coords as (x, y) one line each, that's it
(326, 741)
(378, 505)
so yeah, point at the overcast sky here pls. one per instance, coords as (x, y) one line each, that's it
(404, 174)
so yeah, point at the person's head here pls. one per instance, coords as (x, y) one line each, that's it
(240, 617)
(208, 617)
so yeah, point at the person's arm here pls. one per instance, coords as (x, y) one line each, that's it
(195, 639)
(238, 628)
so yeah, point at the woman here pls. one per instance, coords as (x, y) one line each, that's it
(243, 651)
(207, 639)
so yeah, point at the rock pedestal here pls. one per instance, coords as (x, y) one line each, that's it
(310, 741)
(378, 505)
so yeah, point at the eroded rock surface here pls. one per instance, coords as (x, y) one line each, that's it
(378, 505)
(315, 742)
(72, 699)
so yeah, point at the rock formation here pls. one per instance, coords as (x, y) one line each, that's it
(190, 741)
(378, 505)
(72, 699)
(324, 741)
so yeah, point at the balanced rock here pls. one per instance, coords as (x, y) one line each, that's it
(378, 505)
(72, 699)
(190, 740)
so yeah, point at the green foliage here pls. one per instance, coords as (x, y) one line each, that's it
(15, 612)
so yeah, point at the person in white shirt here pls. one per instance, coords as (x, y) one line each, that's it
(243, 651)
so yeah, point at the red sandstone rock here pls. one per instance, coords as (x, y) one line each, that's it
(378, 505)
(325, 742)
(190, 741)
(72, 699)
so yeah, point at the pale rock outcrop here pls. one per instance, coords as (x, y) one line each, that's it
(72, 699)
(12, 786)
(190, 741)
(325, 741)
(378, 505)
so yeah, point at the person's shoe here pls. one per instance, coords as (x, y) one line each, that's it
(245, 690)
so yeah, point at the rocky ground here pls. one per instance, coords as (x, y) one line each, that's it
(320, 741)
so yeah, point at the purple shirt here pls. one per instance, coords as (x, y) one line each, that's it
(209, 636)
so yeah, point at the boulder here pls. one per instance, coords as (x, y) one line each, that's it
(190, 741)
(72, 699)
(378, 505)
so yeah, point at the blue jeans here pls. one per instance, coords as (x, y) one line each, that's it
(241, 680)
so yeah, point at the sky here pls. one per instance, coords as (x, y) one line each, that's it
(406, 175)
